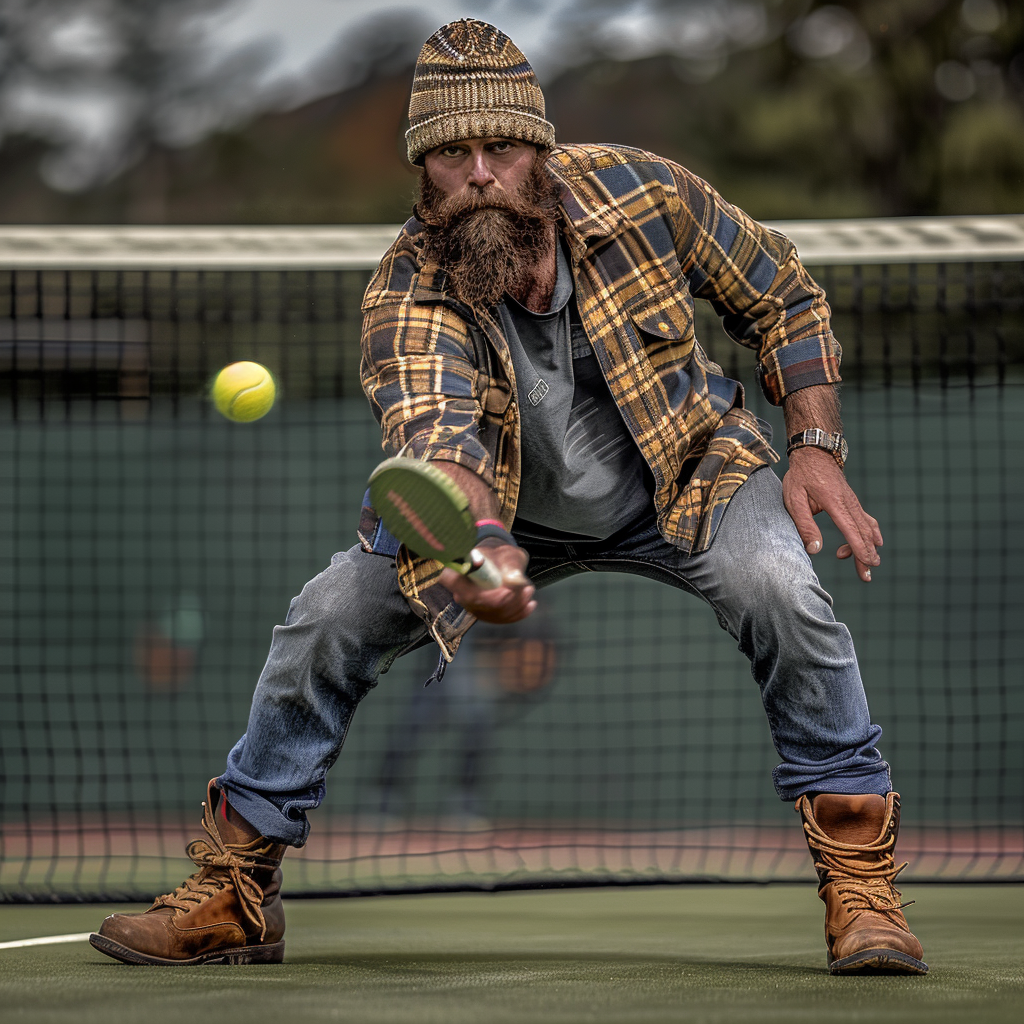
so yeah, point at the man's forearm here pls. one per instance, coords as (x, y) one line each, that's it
(816, 406)
(483, 502)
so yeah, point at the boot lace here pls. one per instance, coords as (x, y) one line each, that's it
(864, 876)
(218, 869)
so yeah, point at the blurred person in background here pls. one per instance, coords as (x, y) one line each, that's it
(530, 333)
(499, 674)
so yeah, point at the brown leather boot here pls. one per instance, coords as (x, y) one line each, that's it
(852, 839)
(228, 912)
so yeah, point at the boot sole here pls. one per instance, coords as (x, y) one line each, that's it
(271, 953)
(878, 961)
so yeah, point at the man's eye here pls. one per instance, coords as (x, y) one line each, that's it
(450, 151)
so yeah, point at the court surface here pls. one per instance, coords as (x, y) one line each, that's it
(700, 954)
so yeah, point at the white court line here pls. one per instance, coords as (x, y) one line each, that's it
(46, 940)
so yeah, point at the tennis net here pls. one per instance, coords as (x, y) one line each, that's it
(149, 546)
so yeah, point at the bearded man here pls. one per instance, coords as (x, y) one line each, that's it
(530, 332)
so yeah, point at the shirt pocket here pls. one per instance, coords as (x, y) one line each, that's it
(664, 316)
(663, 323)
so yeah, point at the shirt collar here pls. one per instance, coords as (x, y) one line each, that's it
(430, 280)
(582, 220)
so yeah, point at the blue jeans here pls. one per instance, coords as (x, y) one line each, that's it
(351, 622)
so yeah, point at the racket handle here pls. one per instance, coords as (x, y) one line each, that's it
(486, 575)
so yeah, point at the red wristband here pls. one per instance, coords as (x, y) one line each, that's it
(489, 522)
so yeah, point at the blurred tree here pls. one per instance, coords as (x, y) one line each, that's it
(878, 107)
(92, 85)
(792, 108)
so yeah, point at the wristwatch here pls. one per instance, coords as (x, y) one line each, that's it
(814, 437)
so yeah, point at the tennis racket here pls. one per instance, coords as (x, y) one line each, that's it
(425, 509)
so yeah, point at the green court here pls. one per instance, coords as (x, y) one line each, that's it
(736, 953)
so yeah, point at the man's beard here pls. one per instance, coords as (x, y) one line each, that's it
(489, 242)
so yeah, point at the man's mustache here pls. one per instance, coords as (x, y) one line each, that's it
(442, 212)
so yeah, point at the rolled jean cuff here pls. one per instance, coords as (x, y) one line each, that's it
(793, 780)
(280, 817)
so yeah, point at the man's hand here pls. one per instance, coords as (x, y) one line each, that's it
(505, 604)
(814, 483)
(508, 603)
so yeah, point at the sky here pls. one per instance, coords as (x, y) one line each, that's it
(304, 30)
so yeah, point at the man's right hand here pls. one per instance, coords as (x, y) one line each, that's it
(508, 603)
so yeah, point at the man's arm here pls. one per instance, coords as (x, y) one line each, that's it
(767, 300)
(408, 351)
(815, 483)
(512, 601)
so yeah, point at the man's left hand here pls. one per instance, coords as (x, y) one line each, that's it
(814, 483)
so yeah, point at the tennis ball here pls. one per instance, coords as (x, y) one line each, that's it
(244, 391)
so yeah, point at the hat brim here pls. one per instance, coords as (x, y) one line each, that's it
(456, 126)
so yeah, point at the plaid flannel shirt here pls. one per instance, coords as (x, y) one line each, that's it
(646, 237)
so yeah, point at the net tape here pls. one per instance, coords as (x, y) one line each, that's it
(360, 247)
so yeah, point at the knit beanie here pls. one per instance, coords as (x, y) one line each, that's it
(471, 82)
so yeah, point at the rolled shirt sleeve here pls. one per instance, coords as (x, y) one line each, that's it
(754, 279)
(422, 384)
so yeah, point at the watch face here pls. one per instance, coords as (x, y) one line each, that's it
(838, 446)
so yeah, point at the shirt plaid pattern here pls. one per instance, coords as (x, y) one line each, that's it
(646, 238)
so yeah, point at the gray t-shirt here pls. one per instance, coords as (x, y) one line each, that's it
(583, 475)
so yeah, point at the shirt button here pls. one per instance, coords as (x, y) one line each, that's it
(663, 326)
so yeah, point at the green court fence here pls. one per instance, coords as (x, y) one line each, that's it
(148, 547)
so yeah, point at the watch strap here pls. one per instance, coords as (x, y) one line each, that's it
(814, 437)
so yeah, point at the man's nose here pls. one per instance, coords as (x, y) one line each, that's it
(480, 173)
